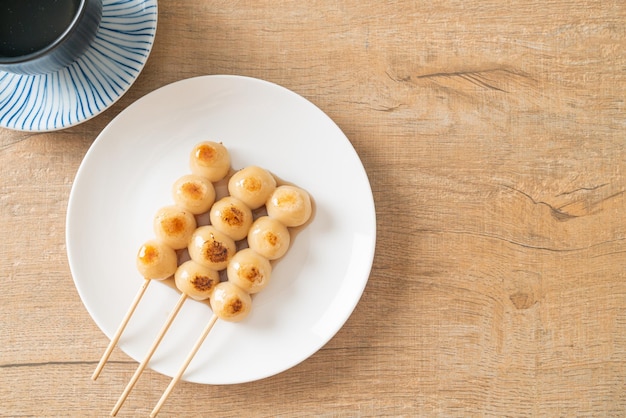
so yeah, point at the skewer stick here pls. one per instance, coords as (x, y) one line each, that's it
(148, 356)
(120, 329)
(182, 369)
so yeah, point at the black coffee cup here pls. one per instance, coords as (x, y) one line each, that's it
(44, 36)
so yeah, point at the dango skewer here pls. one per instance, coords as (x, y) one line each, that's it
(248, 271)
(194, 281)
(210, 251)
(155, 261)
(174, 226)
(194, 193)
(230, 303)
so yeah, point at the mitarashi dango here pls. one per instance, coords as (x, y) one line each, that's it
(210, 160)
(252, 185)
(230, 302)
(196, 280)
(232, 217)
(269, 237)
(156, 260)
(211, 248)
(194, 193)
(249, 271)
(289, 205)
(174, 225)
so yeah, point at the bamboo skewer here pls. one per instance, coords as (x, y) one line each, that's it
(182, 369)
(148, 356)
(120, 329)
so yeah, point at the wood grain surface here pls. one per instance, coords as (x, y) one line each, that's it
(494, 137)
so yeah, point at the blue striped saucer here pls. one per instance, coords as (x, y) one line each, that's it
(54, 101)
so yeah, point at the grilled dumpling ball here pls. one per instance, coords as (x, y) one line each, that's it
(195, 280)
(211, 248)
(289, 205)
(194, 193)
(249, 271)
(210, 159)
(269, 238)
(174, 225)
(156, 260)
(230, 302)
(252, 185)
(232, 217)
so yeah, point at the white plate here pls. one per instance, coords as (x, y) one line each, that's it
(39, 103)
(127, 175)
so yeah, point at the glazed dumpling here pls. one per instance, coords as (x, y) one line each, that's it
(156, 260)
(211, 248)
(249, 271)
(174, 225)
(252, 185)
(289, 205)
(232, 217)
(211, 160)
(196, 280)
(269, 237)
(194, 193)
(230, 302)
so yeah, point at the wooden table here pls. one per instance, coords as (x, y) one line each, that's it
(494, 137)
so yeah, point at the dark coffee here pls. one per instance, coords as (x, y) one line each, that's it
(26, 26)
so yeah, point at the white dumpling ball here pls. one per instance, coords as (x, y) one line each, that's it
(194, 193)
(269, 237)
(232, 217)
(174, 225)
(252, 185)
(156, 260)
(210, 160)
(211, 248)
(196, 280)
(289, 205)
(249, 270)
(230, 303)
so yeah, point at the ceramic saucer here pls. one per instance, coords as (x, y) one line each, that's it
(90, 85)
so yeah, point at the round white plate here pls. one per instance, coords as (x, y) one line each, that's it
(54, 101)
(127, 175)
